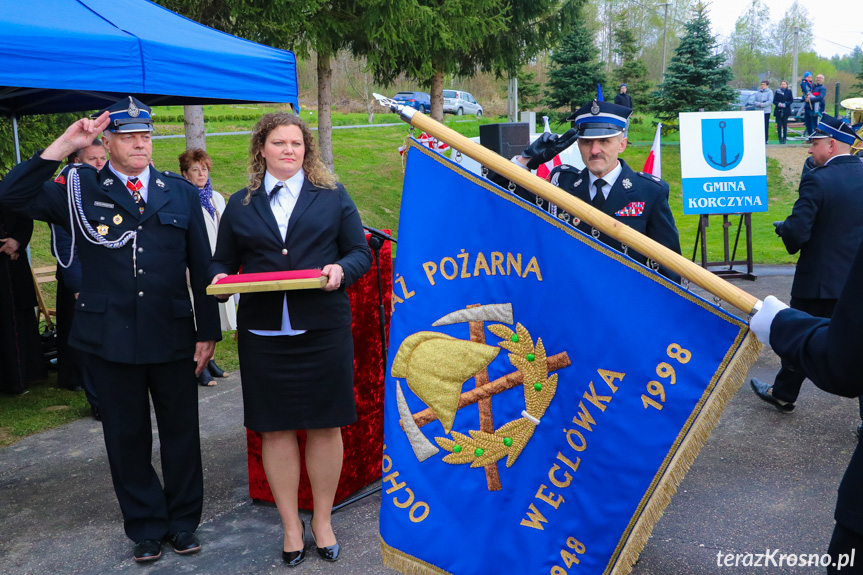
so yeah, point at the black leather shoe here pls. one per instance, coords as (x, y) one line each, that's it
(147, 550)
(328, 553)
(185, 542)
(294, 558)
(765, 392)
(215, 370)
(205, 379)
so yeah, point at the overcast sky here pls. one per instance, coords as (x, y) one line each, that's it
(838, 24)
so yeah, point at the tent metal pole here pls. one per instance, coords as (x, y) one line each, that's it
(17, 143)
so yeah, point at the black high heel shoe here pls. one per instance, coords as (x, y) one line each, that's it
(328, 553)
(206, 378)
(215, 370)
(294, 558)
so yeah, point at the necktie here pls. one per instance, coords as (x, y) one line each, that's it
(275, 191)
(598, 200)
(135, 185)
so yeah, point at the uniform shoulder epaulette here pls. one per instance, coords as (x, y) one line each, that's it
(650, 177)
(171, 174)
(563, 173)
(61, 177)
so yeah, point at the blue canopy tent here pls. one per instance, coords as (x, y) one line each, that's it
(74, 55)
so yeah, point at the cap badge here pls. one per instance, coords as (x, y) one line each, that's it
(102, 229)
(107, 182)
(133, 110)
(594, 108)
(627, 184)
(160, 183)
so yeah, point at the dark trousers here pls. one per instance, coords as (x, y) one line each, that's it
(810, 119)
(766, 127)
(782, 128)
(149, 510)
(787, 384)
(72, 370)
(843, 542)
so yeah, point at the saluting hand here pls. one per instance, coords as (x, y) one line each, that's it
(79, 135)
(335, 276)
(547, 146)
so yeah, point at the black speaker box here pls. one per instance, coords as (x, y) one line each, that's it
(507, 139)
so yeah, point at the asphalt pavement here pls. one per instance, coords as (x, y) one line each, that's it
(764, 481)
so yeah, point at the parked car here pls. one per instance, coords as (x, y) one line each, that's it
(745, 100)
(418, 100)
(459, 103)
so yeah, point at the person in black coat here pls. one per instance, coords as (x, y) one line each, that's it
(21, 357)
(826, 227)
(622, 98)
(72, 371)
(828, 352)
(295, 347)
(138, 232)
(636, 199)
(782, 100)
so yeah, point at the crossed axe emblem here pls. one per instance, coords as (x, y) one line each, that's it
(435, 367)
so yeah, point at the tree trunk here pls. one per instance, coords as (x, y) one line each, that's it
(437, 96)
(369, 102)
(325, 119)
(193, 119)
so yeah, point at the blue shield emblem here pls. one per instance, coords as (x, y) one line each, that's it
(722, 142)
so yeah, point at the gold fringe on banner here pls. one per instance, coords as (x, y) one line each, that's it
(669, 479)
(407, 564)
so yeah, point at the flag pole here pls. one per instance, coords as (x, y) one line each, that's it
(717, 286)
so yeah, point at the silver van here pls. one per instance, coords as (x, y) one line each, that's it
(459, 103)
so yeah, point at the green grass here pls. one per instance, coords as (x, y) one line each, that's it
(368, 163)
(44, 406)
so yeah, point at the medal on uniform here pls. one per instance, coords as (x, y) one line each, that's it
(102, 229)
(118, 219)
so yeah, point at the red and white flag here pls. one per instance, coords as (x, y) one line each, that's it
(545, 169)
(653, 164)
(429, 142)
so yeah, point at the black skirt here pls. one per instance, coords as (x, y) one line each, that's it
(297, 382)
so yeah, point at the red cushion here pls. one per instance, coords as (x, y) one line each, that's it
(269, 276)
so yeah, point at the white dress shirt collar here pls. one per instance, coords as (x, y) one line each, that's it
(143, 177)
(609, 180)
(294, 184)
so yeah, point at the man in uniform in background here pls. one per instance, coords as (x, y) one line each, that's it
(636, 199)
(826, 227)
(138, 231)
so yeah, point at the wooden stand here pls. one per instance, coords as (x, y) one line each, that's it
(729, 261)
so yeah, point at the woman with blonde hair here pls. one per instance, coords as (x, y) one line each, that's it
(295, 347)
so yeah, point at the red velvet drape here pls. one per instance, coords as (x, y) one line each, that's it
(364, 439)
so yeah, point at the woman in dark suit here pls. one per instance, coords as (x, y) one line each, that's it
(782, 99)
(295, 347)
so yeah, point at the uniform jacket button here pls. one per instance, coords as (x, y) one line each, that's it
(140, 250)
(284, 251)
(140, 294)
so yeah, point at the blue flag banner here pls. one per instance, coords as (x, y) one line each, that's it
(545, 394)
(599, 92)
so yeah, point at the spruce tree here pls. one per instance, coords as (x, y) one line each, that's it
(857, 88)
(574, 71)
(632, 70)
(696, 77)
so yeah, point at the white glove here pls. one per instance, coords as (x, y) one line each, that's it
(763, 318)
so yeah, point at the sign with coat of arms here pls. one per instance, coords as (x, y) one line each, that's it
(723, 162)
